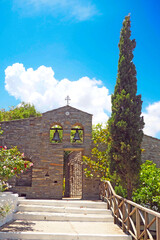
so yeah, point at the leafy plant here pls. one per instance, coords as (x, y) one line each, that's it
(23, 110)
(120, 191)
(97, 165)
(11, 163)
(4, 210)
(148, 193)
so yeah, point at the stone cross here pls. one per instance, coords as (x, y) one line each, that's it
(67, 99)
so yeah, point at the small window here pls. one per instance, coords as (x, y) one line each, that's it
(56, 134)
(25, 179)
(76, 134)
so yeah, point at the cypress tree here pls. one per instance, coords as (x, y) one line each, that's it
(126, 122)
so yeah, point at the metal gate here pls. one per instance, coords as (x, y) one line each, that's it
(73, 175)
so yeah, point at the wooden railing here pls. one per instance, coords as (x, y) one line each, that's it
(139, 222)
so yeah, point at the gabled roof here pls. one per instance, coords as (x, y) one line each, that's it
(66, 108)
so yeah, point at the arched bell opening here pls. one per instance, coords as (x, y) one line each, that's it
(77, 134)
(56, 133)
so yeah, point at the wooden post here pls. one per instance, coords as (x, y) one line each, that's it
(128, 222)
(102, 190)
(138, 223)
(114, 202)
(123, 216)
(145, 225)
(117, 209)
(107, 197)
(157, 228)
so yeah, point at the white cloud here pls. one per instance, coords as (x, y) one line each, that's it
(79, 9)
(152, 119)
(42, 89)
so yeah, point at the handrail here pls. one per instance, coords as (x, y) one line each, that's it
(138, 221)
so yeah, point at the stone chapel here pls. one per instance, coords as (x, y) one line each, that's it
(57, 170)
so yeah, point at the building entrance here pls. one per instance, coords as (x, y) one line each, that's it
(72, 174)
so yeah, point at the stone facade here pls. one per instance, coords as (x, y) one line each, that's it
(151, 148)
(32, 136)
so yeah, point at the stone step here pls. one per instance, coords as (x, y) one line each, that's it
(48, 216)
(64, 203)
(43, 208)
(60, 236)
(62, 220)
(37, 230)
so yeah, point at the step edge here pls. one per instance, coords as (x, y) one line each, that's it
(61, 214)
(60, 234)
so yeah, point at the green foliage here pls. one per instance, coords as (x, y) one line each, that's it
(11, 163)
(1, 131)
(116, 183)
(24, 110)
(120, 191)
(4, 210)
(126, 123)
(97, 164)
(148, 193)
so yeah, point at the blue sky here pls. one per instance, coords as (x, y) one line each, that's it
(52, 48)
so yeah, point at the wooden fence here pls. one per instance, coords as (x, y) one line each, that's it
(139, 222)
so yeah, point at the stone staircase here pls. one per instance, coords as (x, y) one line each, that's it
(62, 220)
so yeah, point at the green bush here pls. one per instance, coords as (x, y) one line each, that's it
(148, 193)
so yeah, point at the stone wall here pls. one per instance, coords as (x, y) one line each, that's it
(32, 136)
(151, 148)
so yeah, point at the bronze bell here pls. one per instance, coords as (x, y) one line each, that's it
(56, 136)
(76, 136)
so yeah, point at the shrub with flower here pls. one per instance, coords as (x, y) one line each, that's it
(11, 163)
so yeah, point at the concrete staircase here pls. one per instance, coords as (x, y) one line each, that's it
(62, 220)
